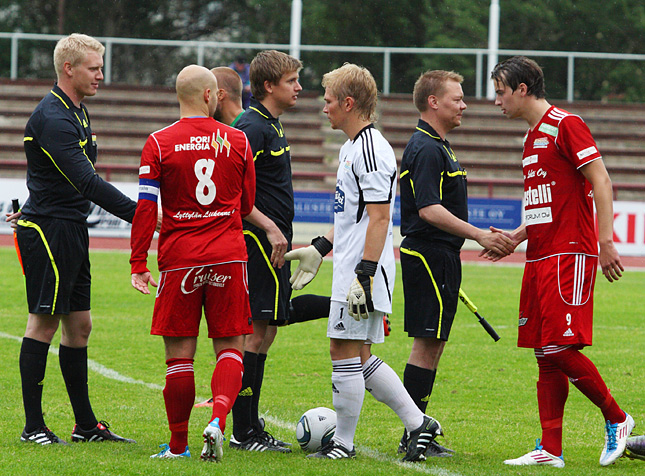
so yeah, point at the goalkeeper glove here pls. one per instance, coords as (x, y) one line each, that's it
(310, 259)
(359, 299)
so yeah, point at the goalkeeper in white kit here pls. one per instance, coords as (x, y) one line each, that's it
(364, 267)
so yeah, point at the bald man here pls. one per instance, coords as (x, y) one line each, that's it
(204, 169)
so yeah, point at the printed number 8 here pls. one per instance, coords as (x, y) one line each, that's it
(205, 190)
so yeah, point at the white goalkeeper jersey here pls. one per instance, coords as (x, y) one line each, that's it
(366, 174)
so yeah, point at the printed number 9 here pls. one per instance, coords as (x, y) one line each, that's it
(568, 319)
(205, 190)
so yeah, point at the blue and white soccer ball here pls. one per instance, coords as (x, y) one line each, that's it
(316, 428)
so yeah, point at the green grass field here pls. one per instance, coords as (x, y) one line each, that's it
(484, 396)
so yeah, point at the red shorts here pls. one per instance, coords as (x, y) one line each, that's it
(222, 291)
(556, 303)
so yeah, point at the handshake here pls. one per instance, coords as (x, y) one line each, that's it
(310, 258)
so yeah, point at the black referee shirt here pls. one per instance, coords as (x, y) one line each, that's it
(61, 152)
(430, 175)
(272, 157)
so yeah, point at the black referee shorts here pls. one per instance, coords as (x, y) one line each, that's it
(269, 287)
(56, 262)
(431, 280)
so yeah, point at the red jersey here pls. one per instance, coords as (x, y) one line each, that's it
(204, 172)
(558, 200)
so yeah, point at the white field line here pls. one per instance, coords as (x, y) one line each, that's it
(377, 455)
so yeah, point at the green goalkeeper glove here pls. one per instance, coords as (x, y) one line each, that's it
(310, 259)
(359, 299)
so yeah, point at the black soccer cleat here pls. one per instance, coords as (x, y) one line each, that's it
(269, 437)
(434, 449)
(420, 439)
(257, 442)
(333, 450)
(635, 448)
(100, 432)
(42, 436)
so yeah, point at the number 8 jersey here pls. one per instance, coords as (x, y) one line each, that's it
(202, 173)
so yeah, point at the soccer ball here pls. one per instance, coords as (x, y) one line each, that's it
(316, 428)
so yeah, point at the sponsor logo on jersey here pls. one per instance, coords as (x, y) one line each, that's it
(209, 214)
(339, 327)
(196, 143)
(541, 143)
(538, 216)
(522, 321)
(531, 159)
(532, 173)
(339, 200)
(548, 129)
(583, 154)
(220, 143)
(537, 195)
(568, 333)
(195, 278)
(144, 169)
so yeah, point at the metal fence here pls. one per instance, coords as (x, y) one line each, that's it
(199, 50)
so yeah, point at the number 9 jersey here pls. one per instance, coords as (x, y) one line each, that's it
(202, 173)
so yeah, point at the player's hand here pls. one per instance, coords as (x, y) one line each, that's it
(140, 282)
(13, 218)
(609, 259)
(278, 246)
(309, 263)
(359, 298)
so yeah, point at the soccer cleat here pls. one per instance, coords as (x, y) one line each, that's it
(167, 454)
(205, 403)
(256, 442)
(42, 436)
(420, 439)
(434, 449)
(537, 457)
(333, 450)
(100, 432)
(213, 441)
(635, 448)
(616, 435)
(269, 437)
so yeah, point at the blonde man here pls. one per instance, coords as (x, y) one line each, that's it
(229, 96)
(364, 267)
(52, 235)
(434, 222)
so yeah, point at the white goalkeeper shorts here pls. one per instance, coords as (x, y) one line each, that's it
(343, 326)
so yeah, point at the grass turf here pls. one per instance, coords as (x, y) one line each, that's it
(484, 395)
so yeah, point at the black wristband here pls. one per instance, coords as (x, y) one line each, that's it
(322, 245)
(366, 268)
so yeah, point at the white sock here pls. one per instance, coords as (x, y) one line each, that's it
(349, 391)
(386, 386)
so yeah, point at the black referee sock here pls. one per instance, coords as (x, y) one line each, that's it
(242, 407)
(73, 366)
(257, 386)
(419, 382)
(308, 307)
(33, 361)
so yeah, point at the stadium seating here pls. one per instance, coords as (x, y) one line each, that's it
(487, 144)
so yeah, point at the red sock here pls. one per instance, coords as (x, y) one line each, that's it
(584, 375)
(552, 393)
(226, 383)
(179, 396)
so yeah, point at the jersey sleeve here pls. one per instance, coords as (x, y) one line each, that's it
(375, 169)
(60, 140)
(248, 182)
(145, 218)
(575, 140)
(425, 176)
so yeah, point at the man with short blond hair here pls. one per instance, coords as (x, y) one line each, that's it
(61, 151)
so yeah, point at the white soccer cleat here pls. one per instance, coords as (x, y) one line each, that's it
(537, 457)
(615, 440)
(165, 453)
(213, 441)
